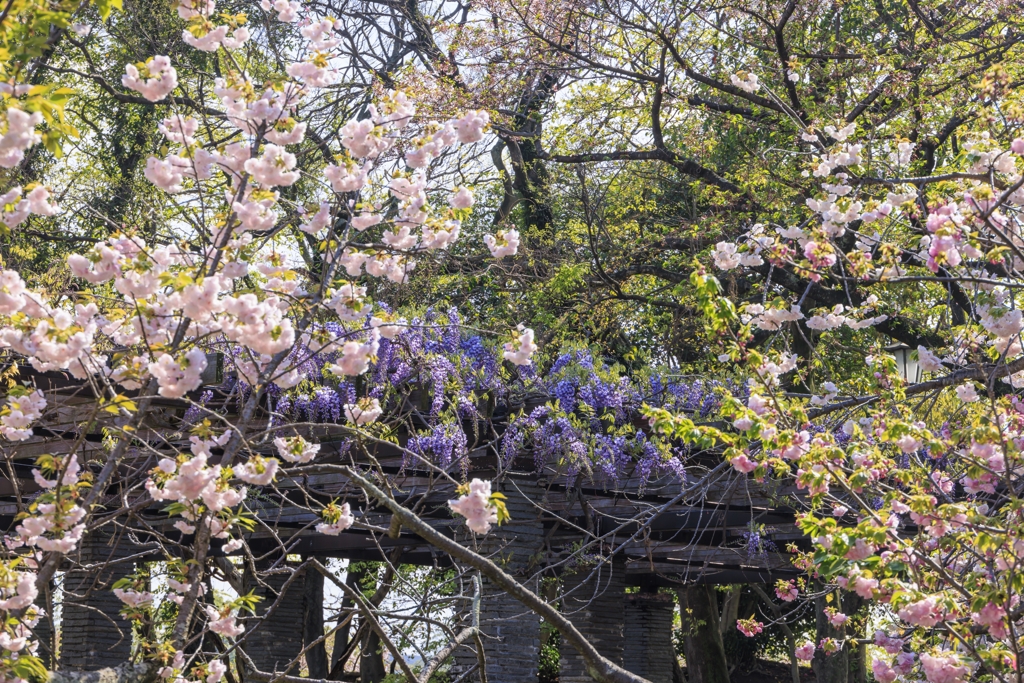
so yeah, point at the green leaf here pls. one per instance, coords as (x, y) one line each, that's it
(104, 7)
(30, 668)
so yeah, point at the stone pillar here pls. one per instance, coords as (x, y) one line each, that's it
(93, 633)
(512, 640)
(273, 642)
(43, 630)
(594, 600)
(648, 643)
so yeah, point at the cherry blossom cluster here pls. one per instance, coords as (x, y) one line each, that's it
(18, 414)
(55, 519)
(337, 518)
(161, 308)
(16, 206)
(918, 515)
(478, 505)
(503, 243)
(363, 412)
(17, 595)
(521, 349)
(202, 493)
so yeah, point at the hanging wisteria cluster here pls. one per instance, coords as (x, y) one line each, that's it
(442, 385)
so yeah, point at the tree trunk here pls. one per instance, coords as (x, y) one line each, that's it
(833, 668)
(853, 605)
(705, 653)
(677, 671)
(730, 610)
(343, 634)
(313, 624)
(371, 660)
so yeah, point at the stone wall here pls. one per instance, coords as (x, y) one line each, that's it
(44, 631)
(512, 641)
(594, 600)
(275, 641)
(93, 633)
(648, 636)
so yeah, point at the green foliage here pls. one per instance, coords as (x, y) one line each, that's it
(550, 658)
(30, 668)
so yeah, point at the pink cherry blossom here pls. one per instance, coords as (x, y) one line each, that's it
(188, 9)
(882, 671)
(470, 127)
(742, 424)
(19, 591)
(503, 243)
(440, 236)
(363, 139)
(786, 591)
(347, 177)
(176, 378)
(18, 414)
(345, 519)
(355, 358)
(167, 174)
(184, 527)
(520, 351)
(224, 624)
(462, 199)
(134, 598)
(861, 550)
(924, 612)
(742, 463)
(746, 81)
(749, 627)
(21, 135)
(296, 449)
(15, 209)
(287, 10)
(943, 669)
(364, 412)
(216, 670)
(865, 587)
(312, 74)
(274, 168)
(258, 471)
(888, 643)
(158, 84)
(365, 220)
(837, 619)
(12, 290)
(904, 662)
(967, 393)
(805, 652)
(908, 443)
(281, 134)
(993, 616)
(476, 507)
(726, 256)
(318, 221)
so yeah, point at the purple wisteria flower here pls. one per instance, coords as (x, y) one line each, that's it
(590, 426)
